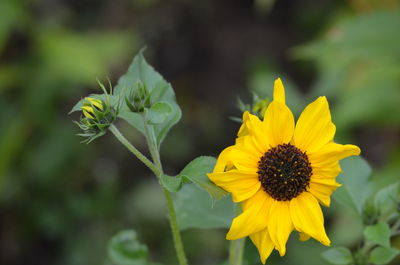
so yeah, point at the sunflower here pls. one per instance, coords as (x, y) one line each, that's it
(281, 173)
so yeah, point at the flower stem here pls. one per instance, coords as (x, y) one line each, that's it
(155, 154)
(133, 149)
(180, 252)
(236, 247)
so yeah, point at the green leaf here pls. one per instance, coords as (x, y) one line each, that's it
(388, 199)
(338, 256)
(197, 170)
(195, 210)
(383, 255)
(172, 184)
(160, 91)
(356, 187)
(158, 113)
(124, 249)
(379, 234)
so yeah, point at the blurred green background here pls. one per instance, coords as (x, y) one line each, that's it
(60, 201)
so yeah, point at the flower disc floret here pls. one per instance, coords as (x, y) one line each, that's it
(284, 172)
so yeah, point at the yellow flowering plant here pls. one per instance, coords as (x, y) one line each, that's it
(280, 172)
(271, 182)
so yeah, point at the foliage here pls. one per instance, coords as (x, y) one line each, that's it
(62, 201)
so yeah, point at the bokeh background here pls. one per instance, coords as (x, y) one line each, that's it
(61, 201)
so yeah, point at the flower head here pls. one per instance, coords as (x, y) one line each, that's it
(98, 115)
(281, 173)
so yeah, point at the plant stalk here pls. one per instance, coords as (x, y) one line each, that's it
(236, 247)
(155, 154)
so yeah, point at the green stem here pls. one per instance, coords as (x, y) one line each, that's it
(236, 247)
(155, 154)
(180, 252)
(133, 149)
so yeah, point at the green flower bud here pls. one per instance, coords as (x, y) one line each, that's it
(260, 106)
(98, 115)
(138, 98)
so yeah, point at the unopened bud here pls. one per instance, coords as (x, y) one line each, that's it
(138, 98)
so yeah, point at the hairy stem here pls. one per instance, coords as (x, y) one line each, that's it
(155, 154)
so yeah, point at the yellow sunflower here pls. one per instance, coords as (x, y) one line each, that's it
(280, 173)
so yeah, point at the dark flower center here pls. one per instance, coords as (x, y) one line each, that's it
(284, 172)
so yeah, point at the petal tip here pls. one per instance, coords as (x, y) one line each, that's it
(279, 91)
(231, 236)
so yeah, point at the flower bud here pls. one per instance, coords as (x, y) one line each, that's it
(98, 115)
(260, 106)
(138, 98)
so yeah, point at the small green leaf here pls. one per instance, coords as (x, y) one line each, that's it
(158, 113)
(172, 184)
(379, 234)
(194, 209)
(383, 255)
(124, 249)
(338, 256)
(356, 187)
(388, 199)
(197, 170)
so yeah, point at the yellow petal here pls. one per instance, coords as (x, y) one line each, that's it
(279, 124)
(87, 111)
(279, 91)
(280, 225)
(254, 217)
(263, 243)
(322, 192)
(242, 185)
(303, 237)
(325, 181)
(95, 102)
(308, 218)
(243, 129)
(257, 129)
(249, 143)
(330, 171)
(331, 153)
(244, 159)
(223, 160)
(314, 127)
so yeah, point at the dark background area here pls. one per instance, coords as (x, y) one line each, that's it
(60, 200)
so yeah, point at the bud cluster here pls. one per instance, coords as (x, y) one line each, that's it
(138, 98)
(99, 113)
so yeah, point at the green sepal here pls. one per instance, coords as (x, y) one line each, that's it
(138, 98)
